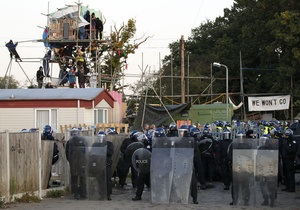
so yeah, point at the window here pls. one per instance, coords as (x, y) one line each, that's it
(100, 116)
(46, 117)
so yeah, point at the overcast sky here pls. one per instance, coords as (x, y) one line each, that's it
(165, 20)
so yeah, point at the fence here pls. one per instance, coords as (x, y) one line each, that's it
(26, 162)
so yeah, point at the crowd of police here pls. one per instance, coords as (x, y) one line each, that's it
(221, 151)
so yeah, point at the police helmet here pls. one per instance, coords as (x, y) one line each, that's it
(278, 131)
(32, 130)
(111, 131)
(191, 127)
(183, 130)
(173, 127)
(207, 126)
(194, 132)
(205, 132)
(134, 134)
(74, 132)
(47, 130)
(160, 132)
(24, 130)
(265, 123)
(288, 132)
(101, 133)
(227, 124)
(101, 136)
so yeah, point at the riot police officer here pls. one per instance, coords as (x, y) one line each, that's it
(183, 131)
(143, 177)
(198, 165)
(222, 155)
(109, 153)
(76, 155)
(172, 130)
(288, 155)
(47, 135)
(241, 180)
(265, 173)
(208, 155)
(127, 160)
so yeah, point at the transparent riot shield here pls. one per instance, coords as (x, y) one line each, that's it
(266, 171)
(96, 170)
(76, 153)
(141, 160)
(243, 160)
(161, 169)
(182, 169)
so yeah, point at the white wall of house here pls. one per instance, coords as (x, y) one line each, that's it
(67, 116)
(16, 119)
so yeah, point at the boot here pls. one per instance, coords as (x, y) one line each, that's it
(137, 198)
(272, 203)
(266, 200)
(265, 203)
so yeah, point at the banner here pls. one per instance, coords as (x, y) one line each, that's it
(269, 103)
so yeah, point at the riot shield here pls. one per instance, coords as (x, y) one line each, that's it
(141, 160)
(182, 169)
(76, 150)
(243, 160)
(131, 148)
(205, 145)
(161, 169)
(96, 170)
(266, 171)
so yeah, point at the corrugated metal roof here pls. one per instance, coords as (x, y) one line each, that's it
(50, 94)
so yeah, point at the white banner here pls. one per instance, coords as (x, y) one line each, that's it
(269, 103)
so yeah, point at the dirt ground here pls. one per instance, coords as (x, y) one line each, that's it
(212, 198)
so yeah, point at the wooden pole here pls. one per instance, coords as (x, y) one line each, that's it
(182, 71)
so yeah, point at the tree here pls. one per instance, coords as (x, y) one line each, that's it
(121, 46)
(266, 34)
(8, 82)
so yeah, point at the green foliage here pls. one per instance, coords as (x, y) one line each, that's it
(122, 45)
(27, 198)
(8, 82)
(12, 186)
(1, 202)
(56, 193)
(267, 35)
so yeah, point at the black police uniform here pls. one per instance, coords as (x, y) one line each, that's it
(76, 155)
(110, 152)
(198, 165)
(124, 169)
(142, 179)
(208, 159)
(288, 155)
(225, 165)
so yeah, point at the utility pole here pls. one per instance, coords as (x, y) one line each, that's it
(182, 70)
